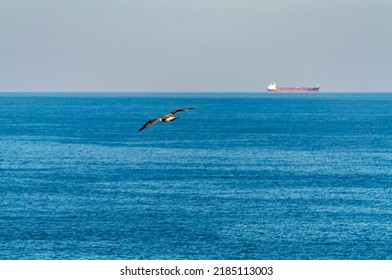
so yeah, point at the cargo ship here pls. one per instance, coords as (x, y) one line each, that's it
(273, 87)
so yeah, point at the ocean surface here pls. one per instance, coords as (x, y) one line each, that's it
(243, 176)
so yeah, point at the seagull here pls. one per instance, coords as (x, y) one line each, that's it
(166, 118)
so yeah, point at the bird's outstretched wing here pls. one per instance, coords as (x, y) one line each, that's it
(149, 123)
(181, 110)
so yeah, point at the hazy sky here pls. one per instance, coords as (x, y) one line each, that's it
(195, 45)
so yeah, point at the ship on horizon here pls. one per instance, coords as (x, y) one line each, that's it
(273, 87)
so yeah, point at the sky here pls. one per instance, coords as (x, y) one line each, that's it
(195, 45)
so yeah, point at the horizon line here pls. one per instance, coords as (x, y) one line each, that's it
(190, 92)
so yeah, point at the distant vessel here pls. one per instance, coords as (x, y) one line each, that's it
(275, 88)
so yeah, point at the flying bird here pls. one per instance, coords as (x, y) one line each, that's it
(166, 118)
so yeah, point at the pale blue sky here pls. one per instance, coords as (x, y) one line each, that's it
(195, 45)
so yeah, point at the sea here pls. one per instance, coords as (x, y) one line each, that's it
(243, 176)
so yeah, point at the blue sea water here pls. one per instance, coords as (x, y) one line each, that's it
(243, 176)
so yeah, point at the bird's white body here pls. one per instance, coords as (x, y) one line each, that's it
(169, 119)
